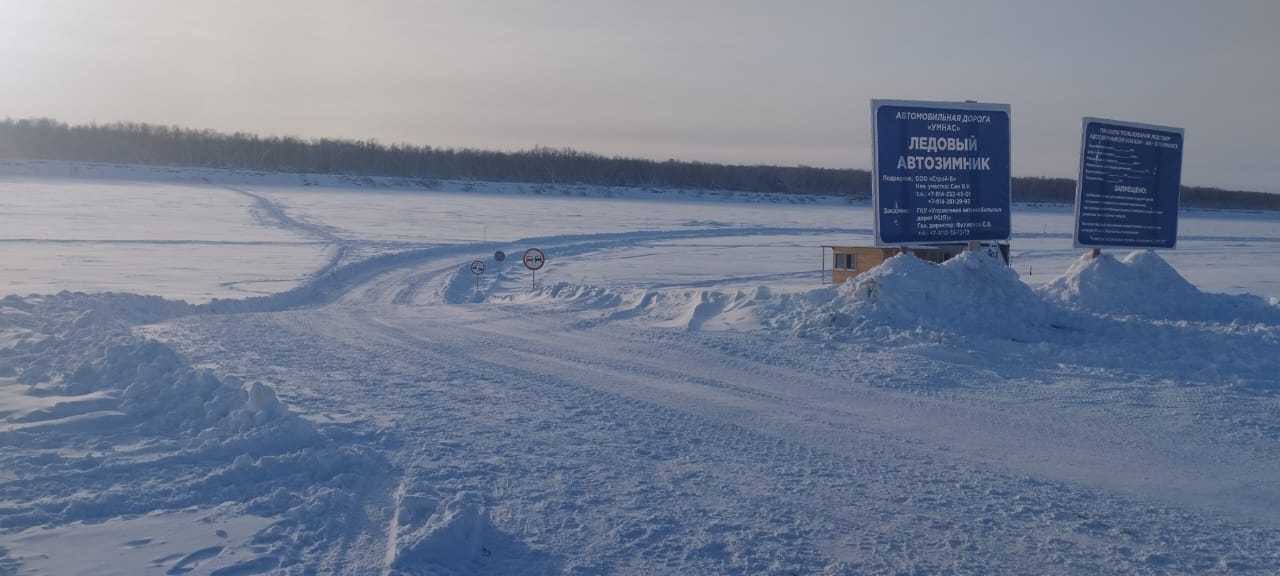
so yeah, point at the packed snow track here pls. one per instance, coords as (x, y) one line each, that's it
(396, 414)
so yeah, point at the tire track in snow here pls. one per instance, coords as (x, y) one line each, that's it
(729, 445)
(275, 216)
(852, 496)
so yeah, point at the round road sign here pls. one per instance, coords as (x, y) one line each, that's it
(534, 259)
(477, 267)
(499, 256)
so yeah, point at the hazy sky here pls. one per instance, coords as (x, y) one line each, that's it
(739, 81)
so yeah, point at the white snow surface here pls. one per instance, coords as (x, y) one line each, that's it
(326, 388)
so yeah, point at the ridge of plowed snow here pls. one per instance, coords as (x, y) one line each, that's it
(973, 293)
(107, 424)
(1145, 284)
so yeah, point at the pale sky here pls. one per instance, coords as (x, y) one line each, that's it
(739, 81)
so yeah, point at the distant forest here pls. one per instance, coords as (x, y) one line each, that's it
(135, 143)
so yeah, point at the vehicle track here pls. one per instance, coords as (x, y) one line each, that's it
(611, 448)
(808, 485)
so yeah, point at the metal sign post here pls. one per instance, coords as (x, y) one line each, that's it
(477, 268)
(498, 257)
(534, 259)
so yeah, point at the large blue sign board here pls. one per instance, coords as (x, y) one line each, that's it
(941, 172)
(1127, 193)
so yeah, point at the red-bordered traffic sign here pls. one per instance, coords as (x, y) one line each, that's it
(477, 267)
(534, 259)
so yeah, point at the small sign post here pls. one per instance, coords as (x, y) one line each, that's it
(477, 268)
(1128, 186)
(534, 259)
(498, 257)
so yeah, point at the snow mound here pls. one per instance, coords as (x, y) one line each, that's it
(580, 296)
(589, 296)
(971, 294)
(1144, 284)
(431, 533)
(450, 537)
(76, 347)
(715, 310)
(690, 310)
(461, 286)
(974, 293)
(99, 310)
(87, 407)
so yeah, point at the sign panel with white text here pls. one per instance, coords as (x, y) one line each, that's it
(1128, 187)
(941, 172)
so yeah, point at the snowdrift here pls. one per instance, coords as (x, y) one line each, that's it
(100, 424)
(974, 294)
(1103, 312)
(1144, 284)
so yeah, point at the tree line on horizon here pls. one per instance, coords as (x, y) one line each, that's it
(139, 143)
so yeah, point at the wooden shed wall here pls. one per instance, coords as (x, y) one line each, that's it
(864, 258)
(868, 257)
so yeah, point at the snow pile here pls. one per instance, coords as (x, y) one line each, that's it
(715, 310)
(101, 310)
(1140, 311)
(100, 423)
(978, 302)
(584, 295)
(973, 294)
(78, 345)
(1102, 312)
(681, 309)
(446, 536)
(1144, 284)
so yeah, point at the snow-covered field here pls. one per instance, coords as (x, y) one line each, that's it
(299, 374)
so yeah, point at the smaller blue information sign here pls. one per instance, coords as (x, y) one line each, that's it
(941, 172)
(1127, 193)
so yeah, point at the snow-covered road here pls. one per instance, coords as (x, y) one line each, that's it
(645, 449)
(432, 425)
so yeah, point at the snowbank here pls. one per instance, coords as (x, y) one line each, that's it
(99, 423)
(1144, 284)
(1103, 311)
(973, 294)
(975, 291)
